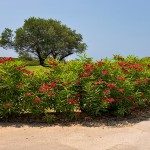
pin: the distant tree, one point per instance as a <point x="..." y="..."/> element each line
<point x="26" y="56"/>
<point x="43" y="38"/>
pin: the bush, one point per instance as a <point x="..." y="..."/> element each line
<point x="116" y="86"/>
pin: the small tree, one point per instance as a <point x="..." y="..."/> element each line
<point x="43" y="38"/>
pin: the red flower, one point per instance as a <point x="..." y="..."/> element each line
<point x="88" y="67"/>
<point x="42" y="90"/>
<point x="37" y="100"/>
<point x="69" y="83"/>
<point x="145" y="80"/>
<point x="79" y="95"/>
<point x="75" y="102"/>
<point x="100" y="63"/>
<point x="5" y="105"/>
<point x="98" y="82"/>
<point x="5" y="59"/>
<point x="8" y="59"/>
<point x="107" y="91"/>
<point x="110" y="100"/>
<point x="111" y="85"/>
<point x="32" y="73"/>
<point x="131" y="98"/>
<point x="53" y="85"/>
<point x="85" y="74"/>
<point x="26" y="71"/>
<point x="20" y="67"/>
<point x="2" y="61"/>
<point x="120" y="90"/>
<point x="77" y="81"/>
<point x="125" y="70"/>
<point x="52" y="93"/>
<point x="10" y="105"/>
<point x="47" y="87"/>
<point x="121" y="78"/>
<point x="105" y="72"/>
<point x="122" y="63"/>
<point x="72" y="101"/>
<point x="29" y="93"/>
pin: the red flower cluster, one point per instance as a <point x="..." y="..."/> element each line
<point x="111" y="85"/>
<point x="37" y="100"/>
<point x="122" y="64"/>
<point x="131" y="98"/>
<point x="7" y="105"/>
<point x="20" y="67"/>
<point x="29" y="93"/>
<point x="121" y="78"/>
<point x="106" y="91"/>
<point x="145" y="80"/>
<point x="135" y="66"/>
<point x="105" y="72"/>
<point x="47" y="87"/>
<point x="99" y="81"/>
<point x="3" y="60"/>
<point x="78" y="81"/>
<point x="89" y="67"/>
<point x="125" y="70"/>
<point x="120" y="90"/>
<point x="109" y="100"/>
<point x="28" y="72"/>
<point x="142" y="81"/>
<point x="53" y="84"/>
<point x="85" y="74"/>
<point x="126" y="66"/>
<point x="72" y="101"/>
<point x="100" y="63"/>
<point x="52" y="93"/>
<point x="66" y="84"/>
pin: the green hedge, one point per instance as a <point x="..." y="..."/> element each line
<point x="117" y="86"/>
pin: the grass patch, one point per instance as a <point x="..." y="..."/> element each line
<point x="37" y="69"/>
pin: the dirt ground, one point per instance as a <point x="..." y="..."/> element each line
<point x="18" y="136"/>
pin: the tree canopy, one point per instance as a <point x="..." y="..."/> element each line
<point x="42" y="38"/>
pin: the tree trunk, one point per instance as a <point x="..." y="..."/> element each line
<point x="41" y="61"/>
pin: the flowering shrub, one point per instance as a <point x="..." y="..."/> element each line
<point x="116" y="86"/>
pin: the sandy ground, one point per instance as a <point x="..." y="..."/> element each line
<point x="38" y="137"/>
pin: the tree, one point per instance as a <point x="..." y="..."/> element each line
<point x="43" y="38"/>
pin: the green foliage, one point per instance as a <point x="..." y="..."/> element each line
<point x="43" y="38"/>
<point x="117" y="86"/>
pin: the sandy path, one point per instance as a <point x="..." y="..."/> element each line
<point x="24" y="137"/>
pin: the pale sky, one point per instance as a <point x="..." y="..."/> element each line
<point x="108" y="26"/>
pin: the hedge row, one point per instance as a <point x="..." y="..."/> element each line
<point x="117" y="86"/>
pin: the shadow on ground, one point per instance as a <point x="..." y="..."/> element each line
<point x="83" y="120"/>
